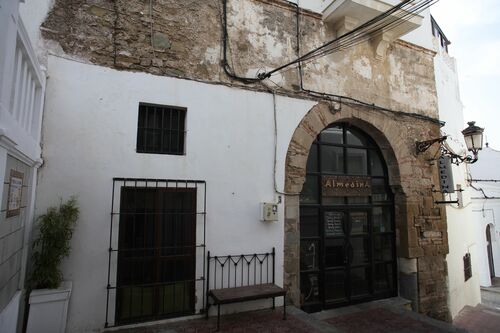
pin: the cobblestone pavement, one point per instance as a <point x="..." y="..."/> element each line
<point x="263" y="321"/>
<point x="372" y="317"/>
<point x="490" y="296"/>
<point x="480" y="319"/>
<point x="382" y="320"/>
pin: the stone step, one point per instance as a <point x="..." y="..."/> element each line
<point x="488" y="309"/>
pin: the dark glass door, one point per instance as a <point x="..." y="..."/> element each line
<point x="346" y="222"/>
<point x="489" y="249"/>
<point x="156" y="254"/>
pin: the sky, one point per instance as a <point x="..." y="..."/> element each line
<point x="473" y="27"/>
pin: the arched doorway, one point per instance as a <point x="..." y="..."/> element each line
<point x="489" y="249"/>
<point x="347" y="231"/>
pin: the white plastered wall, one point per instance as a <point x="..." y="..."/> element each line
<point x="487" y="210"/>
<point x="91" y="119"/>
<point x="487" y="213"/>
<point x="461" y="221"/>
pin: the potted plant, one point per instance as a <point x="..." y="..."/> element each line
<point x="48" y="294"/>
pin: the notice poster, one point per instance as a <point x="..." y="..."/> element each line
<point x="334" y="224"/>
<point x="359" y="222"/>
<point x="15" y="193"/>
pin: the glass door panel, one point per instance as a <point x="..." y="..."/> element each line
<point x="384" y="277"/>
<point x="335" y="285"/>
<point x="383" y="247"/>
<point x="309" y="255"/>
<point x="360" y="251"/>
<point x="360" y="281"/>
<point x="335" y="253"/>
<point x="309" y="288"/>
<point x="359" y="223"/>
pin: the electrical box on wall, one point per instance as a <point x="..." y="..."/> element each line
<point x="269" y="212"/>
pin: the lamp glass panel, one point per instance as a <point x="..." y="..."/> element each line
<point x="477" y="141"/>
<point x="468" y="142"/>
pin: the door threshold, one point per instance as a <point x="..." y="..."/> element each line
<point x="395" y="302"/>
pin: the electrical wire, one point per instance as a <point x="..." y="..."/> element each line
<point x="227" y="69"/>
<point x="349" y="100"/>
<point x="386" y="21"/>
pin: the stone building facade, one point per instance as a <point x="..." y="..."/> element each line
<point x="100" y="54"/>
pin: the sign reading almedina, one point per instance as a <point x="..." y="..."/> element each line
<point x="346" y="186"/>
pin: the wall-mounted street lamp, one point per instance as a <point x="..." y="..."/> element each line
<point x="473" y="136"/>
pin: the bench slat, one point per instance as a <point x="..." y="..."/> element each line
<point x="247" y="293"/>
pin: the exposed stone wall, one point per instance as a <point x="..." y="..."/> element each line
<point x="421" y="229"/>
<point x="184" y="39"/>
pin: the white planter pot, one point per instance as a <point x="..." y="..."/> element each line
<point x="49" y="309"/>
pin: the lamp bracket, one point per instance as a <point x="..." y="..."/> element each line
<point x="422" y="146"/>
<point x="457" y="159"/>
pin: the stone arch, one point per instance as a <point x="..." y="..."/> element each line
<point x="395" y="136"/>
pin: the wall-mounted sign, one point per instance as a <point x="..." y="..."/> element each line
<point x="346" y="186"/>
<point x="15" y="193"/>
<point x="445" y="175"/>
<point x="334" y="222"/>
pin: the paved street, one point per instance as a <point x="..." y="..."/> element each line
<point x="484" y="318"/>
<point x="490" y="296"/>
<point x="374" y="317"/>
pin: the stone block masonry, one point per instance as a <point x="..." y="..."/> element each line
<point x="184" y="39"/>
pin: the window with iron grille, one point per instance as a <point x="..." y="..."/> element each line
<point x="467" y="267"/>
<point x="161" y="129"/>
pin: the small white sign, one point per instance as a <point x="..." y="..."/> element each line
<point x="15" y="193"/>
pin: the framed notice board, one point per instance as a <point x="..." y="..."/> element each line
<point x="15" y="193"/>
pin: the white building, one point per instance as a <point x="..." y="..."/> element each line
<point x="486" y="206"/>
<point x="128" y="73"/>
<point x="22" y="91"/>
<point x="461" y="222"/>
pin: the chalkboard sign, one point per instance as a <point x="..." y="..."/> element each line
<point x="334" y="224"/>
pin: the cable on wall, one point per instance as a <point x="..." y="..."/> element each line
<point x="386" y="21"/>
<point x="376" y="27"/>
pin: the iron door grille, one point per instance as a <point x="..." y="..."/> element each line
<point x="156" y="266"/>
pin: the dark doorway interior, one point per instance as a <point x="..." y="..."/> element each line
<point x="347" y="242"/>
<point x="489" y="248"/>
<point x="156" y="254"/>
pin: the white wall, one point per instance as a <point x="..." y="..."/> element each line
<point x="487" y="213"/>
<point x="9" y="315"/>
<point x="461" y="221"/>
<point x="21" y="105"/>
<point x="91" y="119"/>
<point x="487" y="209"/>
<point x="33" y="13"/>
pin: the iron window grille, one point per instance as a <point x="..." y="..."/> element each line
<point x="161" y="129"/>
<point x="467" y="267"/>
<point x="156" y="254"/>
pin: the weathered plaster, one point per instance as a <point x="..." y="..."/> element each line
<point x="262" y="35"/>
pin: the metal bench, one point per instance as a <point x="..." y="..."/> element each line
<point x="241" y="278"/>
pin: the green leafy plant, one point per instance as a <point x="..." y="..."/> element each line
<point x="53" y="244"/>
